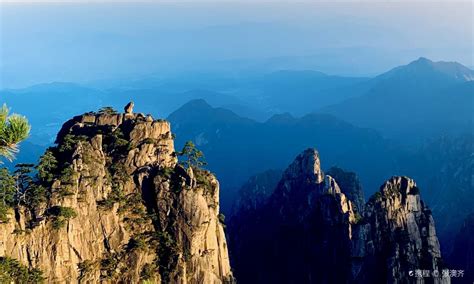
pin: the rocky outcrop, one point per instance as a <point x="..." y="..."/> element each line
<point x="120" y="208"/>
<point x="129" y="108"/>
<point x="302" y="232"/>
<point x="397" y="237"/>
<point x="310" y="231"/>
<point x="350" y="186"/>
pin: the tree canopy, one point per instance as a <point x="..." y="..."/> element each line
<point x="193" y="156"/>
<point x="14" y="128"/>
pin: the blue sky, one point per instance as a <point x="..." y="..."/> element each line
<point x="44" y="42"/>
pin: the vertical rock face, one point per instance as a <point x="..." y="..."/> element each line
<point x="397" y="235"/>
<point x="133" y="213"/>
<point x="302" y="232"/>
<point x="310" y="231"/>
<point x="350" y="186"/>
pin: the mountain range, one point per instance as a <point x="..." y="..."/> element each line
<point x="416" y="101"/>
<point x="113" y="201"/>
<point x="386" y="125"/>
<point x="420" y="100"/>
<point x="238" y="147"/>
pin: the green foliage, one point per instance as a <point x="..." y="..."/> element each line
<point x="132" y="203"/>
<point x="18" y="231"/>
<point x="148" y="271"/>
<point x="35" y="196"/>
<point x="107" y="110"/>
<point x="47" y="166"/>
<point x="119" y="173"/>
<point x="193" y="157"/>
<point x="67" y="143"/>
<point x="116" y="144"/>
<point x="60" y="211"/>
<point x="12" y="271"/>
<point x="70" y="142"/>
<point x="116" y="196"/>
<point x="117" y="147"/>
<point x="377" y="196"/>
<point x="109" y="265"/>
<point x="136" y="243"/>
<point x="203" y="180"/>
<point x="166" y="172"/>
<point x="117" y="177"/>
<point x="13" y="129"/>
<point x="221" y="218"/>
<point x="358" y="218"/>
<point x="167" y="254"/>
<point x="149" y="141"/>
<point x="24" y="176"/>
<point x="60" y="215"/>
<point x="84" y="268"/>
<point x="7" y="193"/>
<point x="67" y="175"/>
<point x="29" y="192"/>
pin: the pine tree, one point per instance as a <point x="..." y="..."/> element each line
<point x="194" y="157"/>
<point x="14" y="128"/>
<point x="7" y="193"/>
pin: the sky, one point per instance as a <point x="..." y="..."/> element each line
<point x="89" y="41"/>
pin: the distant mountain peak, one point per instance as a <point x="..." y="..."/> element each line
<point x="422" y="60"/>
<point x="285" y="117"/>
<point x="197" y="103"/>
<point x="424" y="66"/>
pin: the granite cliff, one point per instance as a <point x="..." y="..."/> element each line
<point x="111" y="203"/>
<point x="313" y="230"/>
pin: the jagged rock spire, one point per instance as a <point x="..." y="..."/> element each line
<point x="308" y="165"/>
<point x="129" y="108"/>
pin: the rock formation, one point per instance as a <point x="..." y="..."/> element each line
<point x="300" y="234"/>
<point x="118" y="207"/>
<point x="396" y="237"/>
<point x="350" y="186"/>
<point x="129" y="108"/>
<point x="310" y="231"/>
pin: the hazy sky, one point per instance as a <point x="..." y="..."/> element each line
<point x="85" y="42"/>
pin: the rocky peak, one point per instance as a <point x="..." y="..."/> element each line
<point x="129" y="108"/>
<point x="306" y="222"/>
<point x="306" y="166"/>
<point x="116" y="206"/>
<point x="310" y="232"/>
<point x="397" y="236"/>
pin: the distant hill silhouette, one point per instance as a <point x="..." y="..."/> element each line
<point x="415" y="101"/>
